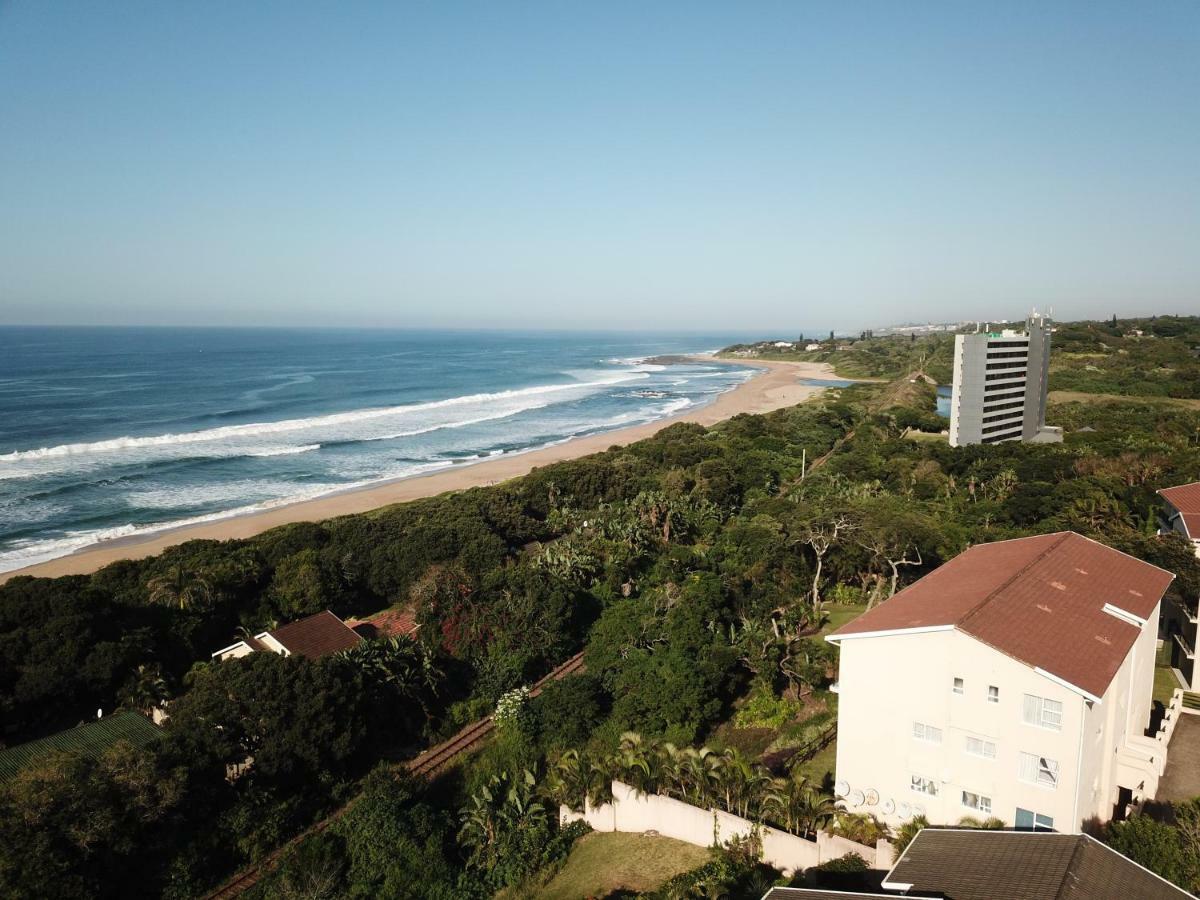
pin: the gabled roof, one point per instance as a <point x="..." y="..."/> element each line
<point x="316" y="636"/>
<point x="980" y="864"/>
<point x="1186" y="499"/>
<point x="1061" y="603"/>
<point x="88" y="740"/>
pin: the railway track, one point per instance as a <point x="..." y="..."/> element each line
<point x="426" y="765"/>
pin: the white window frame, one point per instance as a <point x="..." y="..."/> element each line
<point x="983" y="743"/>
<point x="926" y="734"/>
<point x="993" y="694"/>
<point x="982" y="804"/>
<point x="1038" y="770"/>
<point x="922" y="785"/>
<point x="1040" y="712"/>
<point x="958" y="686"/>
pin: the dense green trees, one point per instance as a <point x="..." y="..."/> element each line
<point x="690" y="567"/>
<point x="70" y="824"/>
<point x="1158" y="847"/>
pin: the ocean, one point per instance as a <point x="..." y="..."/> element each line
<point x="115" y="432"/>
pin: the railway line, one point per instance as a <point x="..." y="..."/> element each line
<point x="426" y="765"/>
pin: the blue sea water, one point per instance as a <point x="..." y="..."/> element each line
<point x="114" y="432"/>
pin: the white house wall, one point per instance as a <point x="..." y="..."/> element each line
<point x="888" y="683"/>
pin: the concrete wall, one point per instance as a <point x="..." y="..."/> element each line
<point x="633" y="812"/>
<point x="887" y="683"/>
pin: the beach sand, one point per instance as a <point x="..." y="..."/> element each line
<point x="776" y="387"/>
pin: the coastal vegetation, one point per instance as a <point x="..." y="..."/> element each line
<point x="1153" y="356"/>
<point x="696" y="569"/>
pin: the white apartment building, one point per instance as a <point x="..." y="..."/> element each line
<point x="1000" y="382"/>
<point x="1015" y="681"/>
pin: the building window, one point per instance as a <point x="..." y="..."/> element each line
<point x="1031" y="821"/>
<point x="993" y="694"/>
<point x="977" y="802"/>
<point x="1038" y="770"/>
<point x="979" y="747"/>
<point x="958" y="685"/>
<point x="928" y="733"/>
<point x="924" y="785"/>
<point x="1042" y="712"/>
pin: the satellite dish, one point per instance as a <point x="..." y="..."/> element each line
<point x="889" y="806"/>
<point x="856" y="798"/>
<point x="872" y="797"/>
<point x="841" y="789"/>
<point x="905" y="810"/>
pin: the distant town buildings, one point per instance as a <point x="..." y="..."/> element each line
<point x="1000" y="382"/>
<point x="1013" y="682"/>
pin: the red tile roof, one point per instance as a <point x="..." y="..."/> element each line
<point x="1039" y="600"/>
<point x="316" y="636"/>
<point x="1186" y="499"/>
<point x="389" y="623"/>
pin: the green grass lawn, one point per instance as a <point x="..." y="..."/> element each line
<point x="841" y="613"/>
<point x="820" y="766"/>
<point x="1165" y="684"/>
<point x="602" y="863"/>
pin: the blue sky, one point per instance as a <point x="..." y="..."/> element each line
<point x="702" y="165"/>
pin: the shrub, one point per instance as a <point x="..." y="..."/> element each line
<point x="1154" y="845"/>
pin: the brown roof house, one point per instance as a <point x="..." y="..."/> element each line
<point x="1014" y="682"/>
<point x="980" y="864"/>
<point x="314" y="637"/>
<point x="1181" y="515"/>
<point x="1182" y="511"/>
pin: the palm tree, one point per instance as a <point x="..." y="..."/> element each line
<point x="635" y="762"/>
<point x="145" y="690"/>
<point x="908" y="831"/>
<point x="738" y="782"/>
<point x="673" y="771"/>
<point x="496" y="811"/>
<point x="180" y="587"/>
<point x="401" y="666"/>
<point x="568" y="783"/>
<point x="801" y="807"/>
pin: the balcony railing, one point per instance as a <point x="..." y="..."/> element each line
<point x="1187" y="648"/>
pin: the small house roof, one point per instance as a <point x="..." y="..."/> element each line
<point x="982" y="864"/>
<point x="316" y="636"/>
<point x="1186" y="500"/>
<point x="90" y="740"/>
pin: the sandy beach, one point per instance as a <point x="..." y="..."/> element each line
<point x="776" y="387"/>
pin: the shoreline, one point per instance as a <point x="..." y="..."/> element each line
<point x="776" y="387"/>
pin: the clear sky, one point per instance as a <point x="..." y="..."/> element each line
<point x="702" y="165"/>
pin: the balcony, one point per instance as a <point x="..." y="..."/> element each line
<point x="1184" y="645"/>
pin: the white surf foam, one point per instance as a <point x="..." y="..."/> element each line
<point x="29" y="553"/>
<point x="283" y="451"/>
<point x="362" y="424"/>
